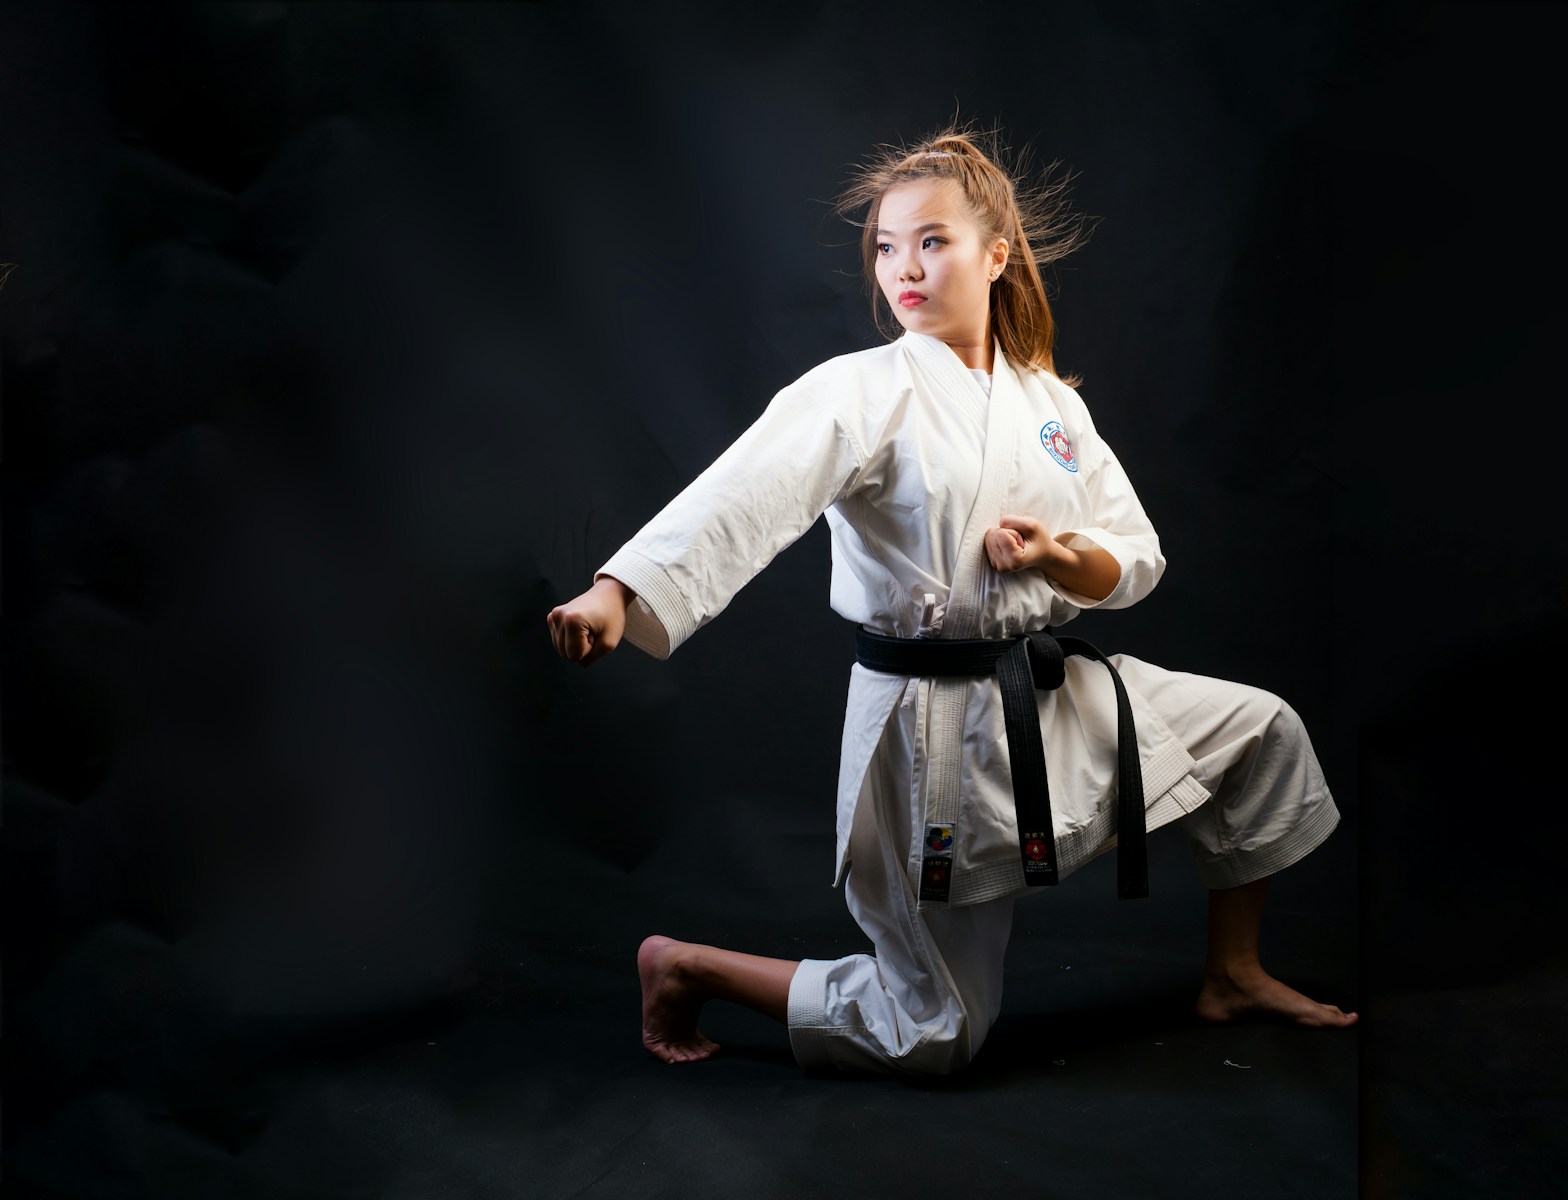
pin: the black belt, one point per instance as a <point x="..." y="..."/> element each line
<point x="1022" y="664"/>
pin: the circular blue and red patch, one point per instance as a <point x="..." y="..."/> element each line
<point x="1054" y="438"/>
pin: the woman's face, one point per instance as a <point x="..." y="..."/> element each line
<point x="933" y="267"/>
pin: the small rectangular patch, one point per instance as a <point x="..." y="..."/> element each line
<point x="939" y="839"/>
<point x="1038" y="849"/>
<point x="936" y="876"/>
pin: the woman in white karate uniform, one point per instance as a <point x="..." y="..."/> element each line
<point x="969" y="497"/>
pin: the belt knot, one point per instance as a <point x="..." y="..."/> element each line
<point x="1047" y="662"/>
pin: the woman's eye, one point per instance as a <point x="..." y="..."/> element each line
<point x="884" y="248"/>
<point x="930" y="243"/>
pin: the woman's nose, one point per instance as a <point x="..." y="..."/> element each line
<point x="908" y="268"/>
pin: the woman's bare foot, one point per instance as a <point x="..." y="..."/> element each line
<point x="671" y="1000"/>
<point x="1258" y="994"/>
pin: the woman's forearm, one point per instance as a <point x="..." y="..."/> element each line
<point x="1089" y="571"/>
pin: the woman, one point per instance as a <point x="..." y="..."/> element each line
<point x="970" y="500"/>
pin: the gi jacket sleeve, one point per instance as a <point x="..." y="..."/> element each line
<point x="1119" y="526"/>
<point x="761" y="494"/>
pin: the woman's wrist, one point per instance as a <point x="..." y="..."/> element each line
<point x="612" y="588"/>
<point x="1053" y="557"/>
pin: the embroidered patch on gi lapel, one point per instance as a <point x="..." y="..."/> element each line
<point x="936" y="874"/>
<point x="936" y="865"/>
<point x="1054" y="438"/>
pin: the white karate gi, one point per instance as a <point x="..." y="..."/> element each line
<point x="911" y="462"/>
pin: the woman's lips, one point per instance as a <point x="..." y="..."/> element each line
<point x="911" y="299"/>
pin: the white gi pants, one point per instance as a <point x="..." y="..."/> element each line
<point x="924" y="1002"/>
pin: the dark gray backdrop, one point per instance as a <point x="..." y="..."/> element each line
<point x="343" y="341"/>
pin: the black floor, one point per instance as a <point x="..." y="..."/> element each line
<point x="527" y="1079"/>
<point x="133" y="1073"/>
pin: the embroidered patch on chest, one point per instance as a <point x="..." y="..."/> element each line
<point x="1054" y="438"/>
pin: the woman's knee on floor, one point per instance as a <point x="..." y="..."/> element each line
<point x="948" y="1046"/>
<point x="942" y="1045"/>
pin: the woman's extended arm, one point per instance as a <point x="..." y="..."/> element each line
<point x="1021" y="542"/>
<point x="687" y="563"/>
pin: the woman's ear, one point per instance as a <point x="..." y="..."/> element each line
<point x="998" y="257"/>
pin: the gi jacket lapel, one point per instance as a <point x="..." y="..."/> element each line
<point x="962" y="620"/>
<point x="953" y="378"/>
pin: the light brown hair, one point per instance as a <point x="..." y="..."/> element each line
<point x="1032" y="216"/>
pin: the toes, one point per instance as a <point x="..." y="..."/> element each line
<point x="687" y="1052"/>
<point x="1328" y="1016"/>
<point x="681" y="1052"/>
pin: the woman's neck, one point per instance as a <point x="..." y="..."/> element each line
<point x="977" y="356"/>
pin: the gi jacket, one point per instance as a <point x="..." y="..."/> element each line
<point x="912" y="462"/>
